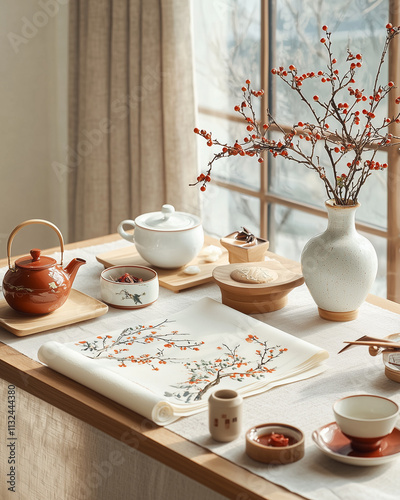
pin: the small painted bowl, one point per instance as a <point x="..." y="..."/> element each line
<point x="260" y="446"/>
<point x="124" y="295"/>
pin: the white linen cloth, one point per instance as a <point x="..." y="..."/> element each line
<point x="306" y="404"/>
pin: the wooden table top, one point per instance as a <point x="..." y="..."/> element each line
<point x="134" y="430"/>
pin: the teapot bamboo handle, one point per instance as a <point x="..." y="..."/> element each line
<point x="34" y="221"/>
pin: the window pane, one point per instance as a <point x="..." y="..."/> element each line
<point x="227" y="50"/>
<point x="359" y="26"/>
<point x="226" y="211"/>
<point x="291" y="229"/>
<point x="298" y="183"/>
<point x="373" y="197"/>
<point x="380" y="245"/>
<point x="243" y="171"/>
<point x="294" y="181"/>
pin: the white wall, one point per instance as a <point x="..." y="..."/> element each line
<point x="33" y="120"/>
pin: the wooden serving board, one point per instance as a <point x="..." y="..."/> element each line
<point x="173" y="279"/>
<point x="78" y="307"/>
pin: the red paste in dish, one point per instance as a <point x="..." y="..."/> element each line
<point x="275" y="440"/>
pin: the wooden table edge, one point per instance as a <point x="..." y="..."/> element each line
<point x="165" y="446"/>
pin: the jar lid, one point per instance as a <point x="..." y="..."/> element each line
<point x="167" y="220"/>
<point x="35" y="261"/>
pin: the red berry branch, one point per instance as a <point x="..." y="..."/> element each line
<point x="345" y="124"/>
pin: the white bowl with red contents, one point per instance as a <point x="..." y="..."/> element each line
<point x="129" y="287"/>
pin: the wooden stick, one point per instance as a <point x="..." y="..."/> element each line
<point x="393" y="345"/>
<point x="366" y="337"/>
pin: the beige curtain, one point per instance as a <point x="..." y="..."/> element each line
<point x="131" y="112"/>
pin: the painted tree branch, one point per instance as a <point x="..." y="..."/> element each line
<point x="106" y="347"/>
<point x="207" y="374"/>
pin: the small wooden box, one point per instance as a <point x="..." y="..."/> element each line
<point x="241" y="251"/>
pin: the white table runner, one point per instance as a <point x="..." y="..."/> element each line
<point x="305" y="404"/>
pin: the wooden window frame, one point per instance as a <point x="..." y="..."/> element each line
<point x="266" y="198"/>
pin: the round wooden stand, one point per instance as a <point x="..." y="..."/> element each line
<point x="259" y="297"/>
<point x="338" y="316"/>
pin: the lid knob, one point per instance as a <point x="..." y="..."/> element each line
<point x="35" y="253"/>
<point x="167" y="211"/>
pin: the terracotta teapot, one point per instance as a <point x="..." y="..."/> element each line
<point x="37" y="284"/>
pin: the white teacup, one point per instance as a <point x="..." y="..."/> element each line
<point x="365" y="419"/>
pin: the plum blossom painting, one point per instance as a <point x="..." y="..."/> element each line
<point x="174" y="363"/>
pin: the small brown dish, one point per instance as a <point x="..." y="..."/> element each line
<point x="274" y="443"/>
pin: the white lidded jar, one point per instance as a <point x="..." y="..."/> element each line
<point x="225" y="414"/>
<point x="340" y="265"/>
<point x="166" y="239"/>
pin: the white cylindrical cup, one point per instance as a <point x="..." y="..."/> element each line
<point x="225" y="415"/>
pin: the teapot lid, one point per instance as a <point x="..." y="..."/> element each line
<point x="35" y="261"/>
<point x="167" y="220"/>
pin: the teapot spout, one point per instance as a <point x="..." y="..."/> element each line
<point x="72" y="268"/>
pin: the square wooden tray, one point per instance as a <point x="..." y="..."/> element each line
<point x="173" y="279"/>
<point x="78" y="307"/>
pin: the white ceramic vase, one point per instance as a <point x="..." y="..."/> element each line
<point x="339" y="265"/>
